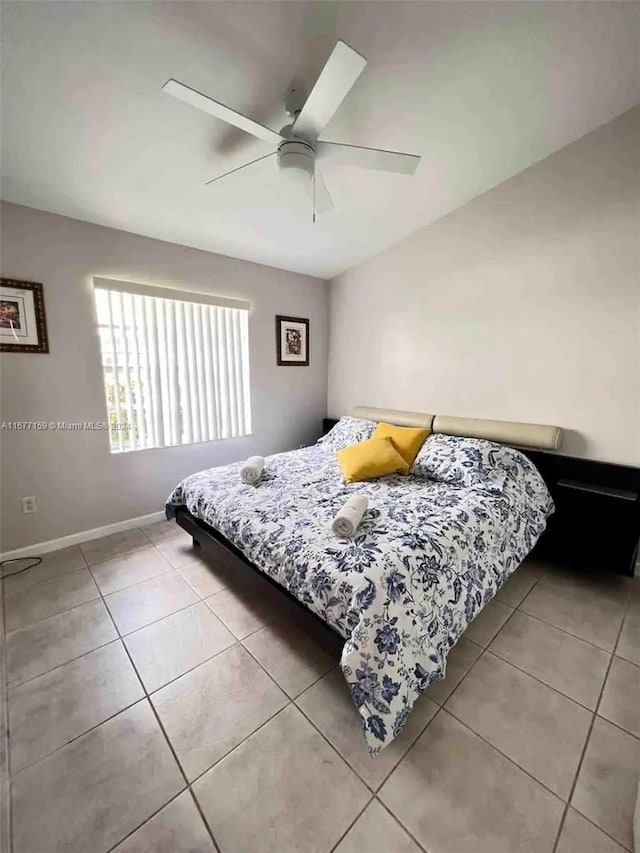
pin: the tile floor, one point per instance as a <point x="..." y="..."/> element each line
<point x="161" y="702"/>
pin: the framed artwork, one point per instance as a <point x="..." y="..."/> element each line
<point x="292" y="341"/>
<point x="23" y="327"/>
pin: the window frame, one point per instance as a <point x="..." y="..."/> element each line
<point x="181" y="377"/>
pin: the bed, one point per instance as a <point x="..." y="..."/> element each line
<point x="432" y="550"/>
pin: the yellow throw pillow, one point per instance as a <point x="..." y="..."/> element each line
<point x="372" y="458"/>
<point x="406" y="440"/>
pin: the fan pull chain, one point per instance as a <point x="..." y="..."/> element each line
<point x="314" y="196"/>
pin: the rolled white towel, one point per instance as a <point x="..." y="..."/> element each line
<point x="349" y="516"/>
<point x="251" y="470"/>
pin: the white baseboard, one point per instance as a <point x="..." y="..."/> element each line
<point x="76" y="538"/>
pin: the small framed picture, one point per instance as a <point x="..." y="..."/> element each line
<point x="292" y="340"/>
<point x="23" y="326"/>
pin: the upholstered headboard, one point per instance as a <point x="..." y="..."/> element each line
<point x="539" y="436"/>
<point x="394" y="416"/>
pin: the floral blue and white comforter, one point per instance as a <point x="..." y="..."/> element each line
<point x="428" y="556"/>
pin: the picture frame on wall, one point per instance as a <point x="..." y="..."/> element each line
<point x="23" y="325"/>
<point x="292" y="341"/>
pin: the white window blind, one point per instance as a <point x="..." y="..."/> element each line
<point x="175" y="364"/>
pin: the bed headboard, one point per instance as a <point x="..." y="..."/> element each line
<point x="539" y="436"/>
<point x="394" y="416"/>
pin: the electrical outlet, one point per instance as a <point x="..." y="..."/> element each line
<point x="29" y="505"/>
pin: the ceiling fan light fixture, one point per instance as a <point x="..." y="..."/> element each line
<point x="298" y="143"/>
<point x="297" y="158"/>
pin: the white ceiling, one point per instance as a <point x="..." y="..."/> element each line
<point x="479" y="90"/>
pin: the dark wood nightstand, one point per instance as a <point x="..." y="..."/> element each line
<point x="597" y="519"/>
<point x="327" y="424"/>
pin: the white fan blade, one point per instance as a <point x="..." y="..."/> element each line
<point x="323" y="202"/>
<point x="367" y="158"/>
<point x="340" y="72"/>
<point x="208" y="105"/>
<point x="254" y="170"/>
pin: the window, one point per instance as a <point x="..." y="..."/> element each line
<point x="175" y="364"/>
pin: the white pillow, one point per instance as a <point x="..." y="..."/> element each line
<point x="475" y="462"/>
<point x="462" y="461"/>
<point x="347" y="431"/>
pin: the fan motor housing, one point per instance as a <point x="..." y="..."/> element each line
<point x="297" y="155"/>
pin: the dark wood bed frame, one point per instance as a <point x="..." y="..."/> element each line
<point x="596" y="523"/>
<point x="220" y="549"/>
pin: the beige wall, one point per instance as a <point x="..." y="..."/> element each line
<point x="78" y="484"/>
<point x="521" y="305"/>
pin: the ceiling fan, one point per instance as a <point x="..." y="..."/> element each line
<point x="298" y="143"/>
